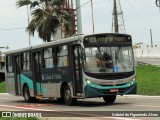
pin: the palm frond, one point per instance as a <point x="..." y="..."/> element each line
<point x="21" y="3"/>
<point x="47" y="17"/>
<point x="34" y="4"/>
<point x="57" y="3"/>
<point x="32" y="26"/>
<point x="65" y="18"/>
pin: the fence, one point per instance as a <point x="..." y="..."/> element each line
<point x="147" y="52"/>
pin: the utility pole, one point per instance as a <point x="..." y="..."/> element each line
<point x="115" y="17"/>
<point x="29" y="37"/>
<point x="151" y="38"/>
<point x="92" y="16"/>
<point x="118" y="21"/>
<point x="79" y="20"/>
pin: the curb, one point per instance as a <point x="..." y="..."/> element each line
<point x="144" y="96"/>
<point x="141" y="96"/>
<point x="5" y="94"/>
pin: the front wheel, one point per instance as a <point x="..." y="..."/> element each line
<point x="109" y="98"/>
<point x="68" y="97"/>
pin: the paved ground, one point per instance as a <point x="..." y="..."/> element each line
<point x="92" y="108"/>
<point x="152" y="61"/>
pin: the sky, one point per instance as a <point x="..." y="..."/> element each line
<point x="139" y="17"/>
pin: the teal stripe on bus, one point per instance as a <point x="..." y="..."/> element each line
<point x="29" y="82"/>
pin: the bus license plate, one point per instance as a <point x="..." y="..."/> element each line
<point x="114" y="90"/>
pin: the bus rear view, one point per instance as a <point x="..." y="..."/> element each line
<point x="108" y="66"/>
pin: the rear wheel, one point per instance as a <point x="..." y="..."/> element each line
<point x="27" y="96"/>
<point x="68" y="97"/>
<point x="109" y="98"/>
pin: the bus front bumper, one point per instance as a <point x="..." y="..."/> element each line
<point x="98" y="92"/>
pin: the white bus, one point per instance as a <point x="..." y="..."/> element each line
<point x="84" y="66"/>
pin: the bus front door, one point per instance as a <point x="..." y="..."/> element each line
<point x="36" y="57"/>
<point x="77" y="70"/>
<point x="17" y="72"/>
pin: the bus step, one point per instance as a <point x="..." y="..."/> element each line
<point x="80" y="94"/>
<point x="38" y="97"/>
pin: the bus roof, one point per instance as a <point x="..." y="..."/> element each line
<point x="56" y="42"/>
<point x="60" y="41"/>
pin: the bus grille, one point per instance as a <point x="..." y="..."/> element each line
<point x="113" y="76"/>
<point x="113" y="85"/>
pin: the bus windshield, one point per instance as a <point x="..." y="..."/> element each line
<point x="109" y="59"/>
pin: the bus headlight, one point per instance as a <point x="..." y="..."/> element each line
<point x="133" y="81"/>
<point x="88" y="82"/>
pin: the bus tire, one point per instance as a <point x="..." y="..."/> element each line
<point x="68" y="97"/>
<point x="109" y="98"/>
<point x="27" y="96"/>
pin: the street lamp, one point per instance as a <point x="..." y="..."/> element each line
<point x="158" y="4"/>
<point x="4" y="47"/>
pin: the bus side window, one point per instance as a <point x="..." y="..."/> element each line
<point x="26" y="61"/>
<point x="48" y="58"/>
<point x="62" y="56"/>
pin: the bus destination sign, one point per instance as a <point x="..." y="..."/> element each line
<point x="107" y="39"/>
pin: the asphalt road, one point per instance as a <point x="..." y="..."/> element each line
<point x="124" y="108"/>
<point x="152" y="61"/>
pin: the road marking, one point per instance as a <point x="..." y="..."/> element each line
<point x="139" y="97"/>
<point x="146" y="106"/>
<point x="34" y="105"/>
<point x="89" y="115"/>
<point x="18" y="107"/>
<point x="122" y="118"/>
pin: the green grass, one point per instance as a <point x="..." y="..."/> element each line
<point x="2" y="87"/>
<point x="148" y="80"/>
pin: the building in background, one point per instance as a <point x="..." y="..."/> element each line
<point x="2" y="67"/>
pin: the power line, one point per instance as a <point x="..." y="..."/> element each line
<point x="83" y="4"/>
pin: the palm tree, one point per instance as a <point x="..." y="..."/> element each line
<point x="47" y="17"/>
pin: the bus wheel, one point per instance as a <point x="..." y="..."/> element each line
<point x="67" y="96"/>
<point x="109" y="98"/>
<point x="27" y="96"/>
